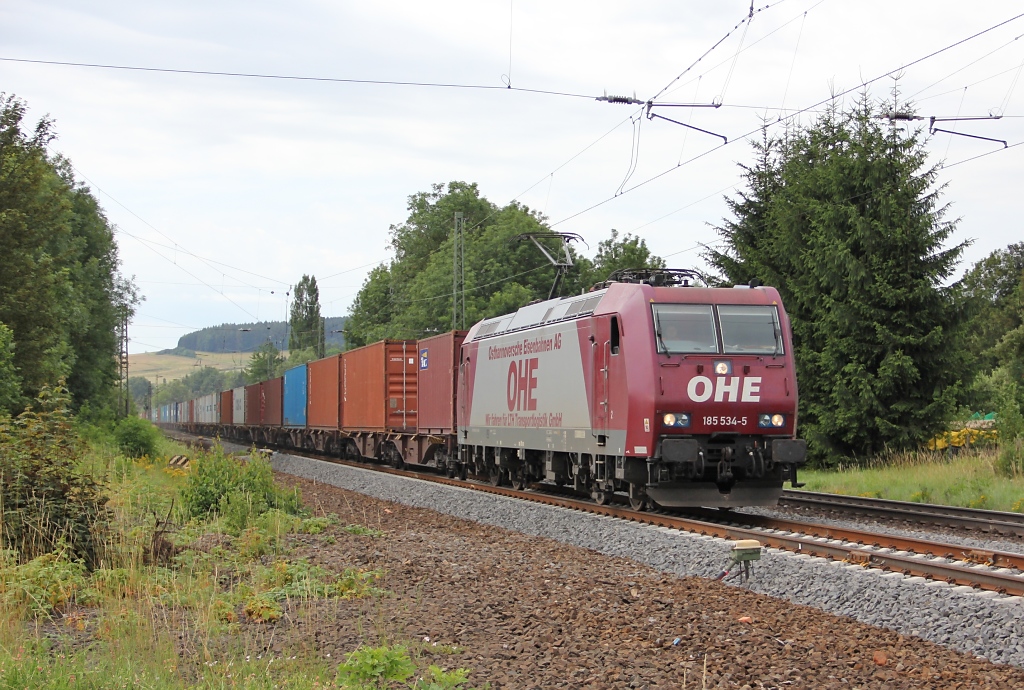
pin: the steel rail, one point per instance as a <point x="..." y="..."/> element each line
<point x="911" y="564"/>
<point x="989" y="570"/>
<point x="926" y="513"/>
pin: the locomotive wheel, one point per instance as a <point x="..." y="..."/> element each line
<point x="494" y="476"/>
<point x="601" y="497"/>
<point x="518" y="479"/>
<point x="638" y="500"/>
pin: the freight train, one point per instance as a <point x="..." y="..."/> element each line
<point x="649" y="386"/>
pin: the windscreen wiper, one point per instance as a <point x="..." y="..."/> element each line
<point x="657" y="331"/>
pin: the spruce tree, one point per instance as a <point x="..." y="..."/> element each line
<point x="845" y="220"/>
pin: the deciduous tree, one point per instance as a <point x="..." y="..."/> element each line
<point x="307" y="326"/>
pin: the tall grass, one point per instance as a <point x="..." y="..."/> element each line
<point x="970" y="478"/>
<point x="202" y="616"/>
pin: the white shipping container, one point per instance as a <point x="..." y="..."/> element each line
<point x="209" y="407"/>
<point x="238" y="402"/>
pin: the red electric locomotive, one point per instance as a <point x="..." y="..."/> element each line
<point x="676" y="394"/>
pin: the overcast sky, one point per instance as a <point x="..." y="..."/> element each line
<point x="275" y="178"/>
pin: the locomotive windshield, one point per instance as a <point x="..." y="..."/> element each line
<point x="685" y="328"/>
<point x="750" y="329"/>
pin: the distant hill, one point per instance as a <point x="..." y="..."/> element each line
<point x="246" y="337"/>
<point x="170" y="365"/>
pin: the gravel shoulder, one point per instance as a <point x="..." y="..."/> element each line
<point x="530" y="596"/>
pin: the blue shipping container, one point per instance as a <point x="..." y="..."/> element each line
<point x="295" y="397"/>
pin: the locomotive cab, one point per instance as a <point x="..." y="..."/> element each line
<point x="726" y="403"/>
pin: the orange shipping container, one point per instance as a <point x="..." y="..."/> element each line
<point x="437" y="370"/>
<point x="226" y="408"/>
<point x="379" y="387"/>
<point x="253" y="405"/>
<point x="271" y="391"/>
<point x="323" y="393"/>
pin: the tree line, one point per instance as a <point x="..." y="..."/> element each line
<point x="247" y="337"/>
<point x="61" y="295"/>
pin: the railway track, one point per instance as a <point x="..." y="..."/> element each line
<point x="991" y="521"/>
<point x="956" y="565"/>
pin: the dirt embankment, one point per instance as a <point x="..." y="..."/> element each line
<point x="525" y="612"/>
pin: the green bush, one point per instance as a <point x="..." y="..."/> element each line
<point x="373" y="668"/>
<point x="136" y="437"/>
<point x="46" y="583"/>
<point x="50" y="501"/>
<point x="219" y="483"/>
<point x="368" y="668"/>
<point x="1011" y="458"/>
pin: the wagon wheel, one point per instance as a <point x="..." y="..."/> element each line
<point x="463" y="472"/>
<point x="600" y="496"/>
<point x="396" y="459"/>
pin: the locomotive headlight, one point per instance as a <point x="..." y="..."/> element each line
<point x="723" y="368"/>
<point x="768" y="421"/>
<point x="669" y="419"/>
<point x="681" y="419"/>
<point x="778" y="420"/>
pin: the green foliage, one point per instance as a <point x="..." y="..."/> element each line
<point x="47" y="583"/>
<point x="441" y="679"/>
<point x="299" y="579"/>
<point x="266" y="363"/>
<point x="995" y="290"/>
<point x="201" y="382"/>
<point x="375" y="668"/>
<point x="412" y="296"/>
<point x="306" y="325"/>
<point x="60" y="294"/>
<point x="10" y="382"/>
<point x="136" y="437"/>
<point x="221" y="482"/>
<point x="361" y="531"/>
<point x="48" y="500"/>
<point x="614" y="254"/>
<point x="318" y="525"/>
<point x="843" y="218"/>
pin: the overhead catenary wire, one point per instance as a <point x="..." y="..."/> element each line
<point x="792" y="64"/>
<point x="182" y="268"/>
<point x="961" y="69"/>
<point x="295" y="77"/>
<point x="712" y="48"/>
<point x="792" y="115"/>
<point x="748" y="47"/>
<point x="177" y="247"/>
<point x="475" y="287"/>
